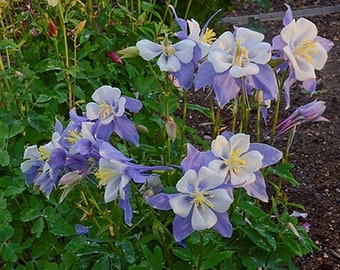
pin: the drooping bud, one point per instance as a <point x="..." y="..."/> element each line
<point x="114" y="57"/>
<point x="53" y="30"/>
<point x="171" y="128"/>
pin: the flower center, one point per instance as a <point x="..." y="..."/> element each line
<point x="105" y="110"/>
<point x="73" y="136"/>
<point x="305" y="49"/>
<point x="240" y="54"/>
<point x="209" y="36"/>
<point x="44" y="153"/>
<point x="167" y="48"/>
<point x="105" y="175"/>
<point x="235" y="162"/>
<point x="201" y="199"/>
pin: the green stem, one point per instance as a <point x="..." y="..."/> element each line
<point x="245" y="110"/>
<point x="187" y="9"/>
<point x="277" y="107"/>
<point x="258" y="117"/>
<point x="215" y="117"/>
<point x="200" y="251"/>
<point x="184" y="117"/>
<point x="67" y="61"/>
<point x="234" y="112"/>
<point x="289" y="144"/>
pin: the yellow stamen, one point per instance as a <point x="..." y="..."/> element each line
<point x="105" y="110"/>
<point x="209" y="36"/>
<point x="105" y="175"/>
<point x="73" y="136"/>
<point x="200" y="199"/>
<point x="44" y="153"/>
<point x="167" y="48"/>
<point x="240" y="54"/>
<point x="306" y="49"/>
<point x="235" y="162"/>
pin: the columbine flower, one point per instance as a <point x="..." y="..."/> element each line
<point x="203" y="37"/>
<point x="201" y="203"/>
<point x="303" y="49"/>
<point x="310" y="112"/>
<point x="172" y="56"/>
<point x="241" y="53"/>
<point x="240" y="161"/>
<point x="234" y="159"/>
<point x="109" y="109"/>
<point x="235" y="56"/>
<point x="115" y="172"/>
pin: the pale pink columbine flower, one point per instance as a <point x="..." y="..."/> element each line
<point x="310" y="112"/>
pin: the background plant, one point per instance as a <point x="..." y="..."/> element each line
<point x="53" y="58"/>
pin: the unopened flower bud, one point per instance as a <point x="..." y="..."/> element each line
<point x="171" y="128"/>
<point x="53" y="29"/>
<point x="129" y="52"/>
<point x="114" y="57"/>
<point x="142" y="129"/>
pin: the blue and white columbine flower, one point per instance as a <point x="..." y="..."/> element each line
<point x="171" y="56"/>
<point x="115" y="171"/>
<point x="240" y="53"/>
<point x="109" y="111"/>
<point x="304" y="51"/>
<point x="240" y="161"/>
<point x="235" y="159"/>
<point x="234" y="56"/>
<point x="201" y="197"/>
<point x="200" y="204"/>
<point x="190" y="29"/>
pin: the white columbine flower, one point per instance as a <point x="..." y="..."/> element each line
<point x="171" y="55"/>
<point x="303" y="49"/>
<point x="111" y="173"/>
<point x="201" y="195"/>
<point x="235" y="159"/>
<point x="240" y="52"/>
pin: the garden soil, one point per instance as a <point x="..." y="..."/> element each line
<point x="316" y="148"/>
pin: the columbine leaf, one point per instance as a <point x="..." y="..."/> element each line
<point x="216" y="258"/>
<point x="283" y="171"/>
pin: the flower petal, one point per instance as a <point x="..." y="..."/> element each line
<point x="182" y="227"/>
<point x="111" y="190"/>
<point x="240" y="142"/>
<point x="184" y="50"/>
<point x="208" y="179"/>
<point x="148" y="49"/>
<point x="220" y="199"/>
<point x="181" y="204"/>
<point x="220" y="147"/>
<point x="203" y="218"/>
<point x="223" y="225"/>
<point x="243" y="176"/>
<point x="169" y="63"/>
<point x="253" y="160"/>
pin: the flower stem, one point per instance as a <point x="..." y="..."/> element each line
<point x="67" y="60"/>
<point x="215" y="117"/>
<point x="200" y="251"/>
<point x="277" y="107"/>
<point x="184" y="118"/>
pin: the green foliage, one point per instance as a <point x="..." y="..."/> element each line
<point x="42" y="77"/>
